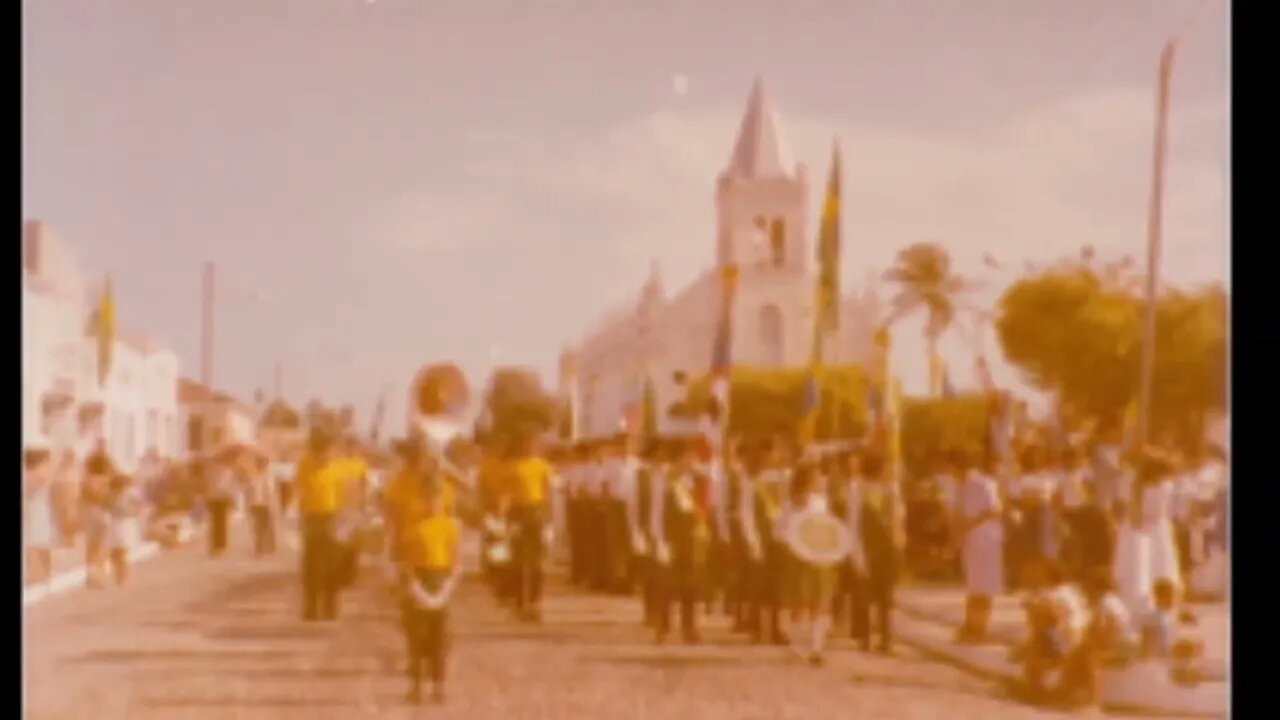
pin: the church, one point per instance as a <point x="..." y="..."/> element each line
<point x="762" y="205"/>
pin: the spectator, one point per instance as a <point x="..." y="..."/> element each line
<point x="123" y="508"/>
<point x="38" y="520"/>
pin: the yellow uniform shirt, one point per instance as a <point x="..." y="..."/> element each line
<point x="532" y="475"/>
<point x="433" y="542"/>
<point x="319" y="486"/>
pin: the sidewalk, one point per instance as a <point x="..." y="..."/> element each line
<point x="930" y="615"/>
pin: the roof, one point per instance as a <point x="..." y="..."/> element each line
<point x="191" y="392"/>
<point x="758" y="151"/>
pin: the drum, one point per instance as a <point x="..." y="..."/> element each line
<point x="817" y="537"/>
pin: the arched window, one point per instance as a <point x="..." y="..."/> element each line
<point x="772" y="343"/>
<point x="778" y="242"/>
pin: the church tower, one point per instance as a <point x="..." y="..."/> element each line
<point x="761" y="199"/>
<point x="761" y="205"/>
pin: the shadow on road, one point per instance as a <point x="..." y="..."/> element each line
<point x="242" y="702"/>
<point x="107" y="657"/>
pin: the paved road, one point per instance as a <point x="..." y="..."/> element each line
<point x="195" y="637"/>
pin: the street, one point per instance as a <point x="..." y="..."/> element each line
<point x="195" y="637"/>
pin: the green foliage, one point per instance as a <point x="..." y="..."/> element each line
<point x="925" y="279"/>
<point x="932" y="425"/>
<point x="765" y="402"/>
<point x="519" y="408"/>
<point x="1077" y="332"/>
<point x="279" y="414"/>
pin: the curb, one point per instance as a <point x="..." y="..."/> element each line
<point x="934" y="640"/>
<point x="75" y="577"/>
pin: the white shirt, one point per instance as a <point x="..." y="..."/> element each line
<point x="1072" y="488"/>
<point x="593" y="478"/>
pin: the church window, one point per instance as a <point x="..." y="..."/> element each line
<point x="778" y="242"/>
<point x="772" y="344"/>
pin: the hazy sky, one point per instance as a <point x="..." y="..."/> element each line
<point x="386" y="183"/>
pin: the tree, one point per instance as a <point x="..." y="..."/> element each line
<point x="925" y="280"/>
<point x="441" y="389"/>
<point x="764" y="403"/>
<point x="279" y="414"/>
<point x="518" y="407"/>
<point x="1078" y="332"/>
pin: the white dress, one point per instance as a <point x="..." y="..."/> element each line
<point x="38" y="523"/>
<point x="1157" y="524"/>
<point x="1131" y="567"/>
<point x="983" y="552"/>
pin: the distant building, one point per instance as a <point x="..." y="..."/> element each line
<point x="63" y="401"/>
<point x="213" y="420"/>
<point x="762" y="202"/>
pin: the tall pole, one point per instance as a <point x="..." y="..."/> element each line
<point x="206" y="353"/>
<point x="1154" y="219"/>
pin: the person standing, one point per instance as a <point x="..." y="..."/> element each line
<point x="761" y="504"/>
<point x="432" y="575"/>
<point x="646" y="489"/>
<point x="530" y="520"/>
<point x="224" y="483"/>
<point x="124" y="506"/>
<point x="38" y="522"/>
<point x="981" y="532"/>
<point x="96" y="514"/>
<point x="810" y="586"/>
<point x="879" y="513"/>
<point x="681" y="528"/>
<point x="262" y="496"/>
<point x="1156" y="522"/>
<point x="318" y="484"/>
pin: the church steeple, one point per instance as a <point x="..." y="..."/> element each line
<point x="759" y="151"/>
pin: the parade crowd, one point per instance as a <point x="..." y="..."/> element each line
<point x="1103" y="544"/>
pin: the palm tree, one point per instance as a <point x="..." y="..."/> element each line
<point x="925" y="279"/>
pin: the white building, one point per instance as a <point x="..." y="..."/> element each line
<point x="762" y="203"/>
<point x="133" y="411"/>
<point x="213" y="420"/>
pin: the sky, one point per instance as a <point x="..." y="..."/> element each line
<point x="385" y="184"/>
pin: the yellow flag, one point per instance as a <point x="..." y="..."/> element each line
<point x="894" y="411"/>
<point x="103" y="328"/>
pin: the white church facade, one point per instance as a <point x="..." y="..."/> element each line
<point x="762" y="204"/>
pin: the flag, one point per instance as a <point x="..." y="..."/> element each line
<point x="827" y="317"/>
<point x="811" y="402"/>
<point x="378" y="411"/>
<point x="102" y="326"/>
<point x="648" y="410"/>
<point x="722" y="346"/>
<point x="893" y="413"/>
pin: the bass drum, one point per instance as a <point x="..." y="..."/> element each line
<point x="819" y="538"/>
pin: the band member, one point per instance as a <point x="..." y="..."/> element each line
<point x="530" y="520"/>
<point x="573" y="476"/>
<point x="842" y="472"/>
<point x="681" y="527"/>
<point x="649" y="474"/>
<point x="318" y="484"/>
<point x="432" y="575"/>
<point x="624" y="488"/>
<point x="877" y="509"/>
<point x="761" y="504"/>
<point x="727" y="481"/>
<point x="615" y="542"/>
<point x="809" y="585"/>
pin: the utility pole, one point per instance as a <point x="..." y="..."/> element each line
<point x="206" y="356"/>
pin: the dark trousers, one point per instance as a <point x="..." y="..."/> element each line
<point x="264" y="532"/>
<point x="319" y="565"/>
<point x="877" y="599"/>
<point x="765" y="583"/>
<point x="286" y="495"/>
<point x="526" y="520"/>
<point x="219" y="512"/>
<point x="678" y="585"/>
<point x="618" y="547"/>
<point x="426" y="633"/>
<point x="851" y="602"/>
<point x="577" y="567"/>
<point x="647" y="578"/>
